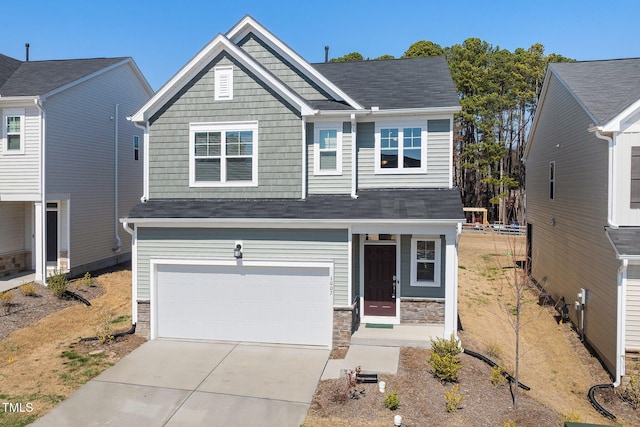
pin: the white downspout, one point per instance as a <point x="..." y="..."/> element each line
<point x="620" y="326"/>
<point x="304" y="158"/>
<point x="610" y="195"/>
<point x="134" y="270"/>
<point x="41" y="252"/>
<point x="354" y="154"/>
<point x="117" y="228"/>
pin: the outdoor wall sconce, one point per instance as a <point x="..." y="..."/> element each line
<point x="237" y="252"/>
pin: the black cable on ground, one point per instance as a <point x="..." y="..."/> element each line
<point x="595" y="404"/>
<point x="76" y="296"/>
<point x="493" y="364"/>
<point x="131" y="331"/>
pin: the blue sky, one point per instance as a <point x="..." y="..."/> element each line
<point x="163" y="35"/>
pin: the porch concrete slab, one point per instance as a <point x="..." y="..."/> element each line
<point x="15" y="280"/>
<point x="283" y="373"/>
<point x="168" y="363"/>
<point x="403" y="335"/>
<point x="211" y="409"/>
<point x="115" y="404"/>
<point x="373" y="359"/>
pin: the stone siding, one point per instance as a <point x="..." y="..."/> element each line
<point x="345" y="321"/>
<point x="143" y="327"/>
<point x="14" y="262"/>
<point x="421" y="310"/>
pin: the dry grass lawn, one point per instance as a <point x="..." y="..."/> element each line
<point x="33" y="368"/>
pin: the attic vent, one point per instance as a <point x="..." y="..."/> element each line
<point x="223" y="83"/>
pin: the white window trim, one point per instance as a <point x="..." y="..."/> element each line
<point x="437" y="262"/>
<point x="223" y="73"/>
<point x="13" y="112"/>
<point x="316" y="148"/>
<point x="136" y="148"/>
<point x="223" y="127"/>
<point x="400" y="125"/>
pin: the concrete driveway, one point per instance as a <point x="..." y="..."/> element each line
<point x="184" y="383"/>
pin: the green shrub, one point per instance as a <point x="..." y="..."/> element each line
<point x="444" y="361"/>
<point x="391" y="401"/>
<point x="29" y="289"/>
<point x="453" y="398"/>
<point x="497" y="376"/>
<point x="58" y="283"/>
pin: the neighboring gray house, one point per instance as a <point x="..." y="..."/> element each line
<point x="62" y="189"/>
<point x="583" y="200"/>
<point x="286" y="202"/>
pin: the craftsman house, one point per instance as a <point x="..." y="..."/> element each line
<point x="287" y="202"/>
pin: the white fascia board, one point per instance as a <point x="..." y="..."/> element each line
<point x="416" y="111"/>
<point x="249" y="25"/>
<point x="219" y="44"/>
<point x="89" y="77"/>
<point x="615" y="124"/>
<point x="28" y="100"/>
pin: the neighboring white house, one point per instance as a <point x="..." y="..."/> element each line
<point x="286" y="202"/>
<point x="583" y="201"/>
<point x="70" y="162"/>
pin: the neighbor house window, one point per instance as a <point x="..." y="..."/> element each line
<point x="223" y="85"/>
<point x="635" y="178"/>
<point x="425" y="261"/>
<point x="13" y="131"/>
<point x="552" y="180"/>
<point x="400" y="149"/>
<point x="136" y="147"/>
<point x="224" y="154"/>
<point x="327" y="150"/>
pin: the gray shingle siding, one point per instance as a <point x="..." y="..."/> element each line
<point x="279" y="145"/>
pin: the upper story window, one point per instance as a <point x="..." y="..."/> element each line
<point x="425" y="261"/>
<point x="635" y="178"/>
<point x="223" y="90"/>
<point x="552" y="180"/>
<point x="223" y="154"/>
<point x="327" y="149"/>
<point x="13" y="131"/>
<point x="136" y="147"/>
<point x="401" y="148"/>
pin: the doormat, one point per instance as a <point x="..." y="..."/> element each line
<point x="378" y="325"/>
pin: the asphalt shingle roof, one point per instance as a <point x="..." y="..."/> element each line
<point x="35" y="78"/>
<point x="605" y="88"/>
<point x="626" y="240"/>
<point x="394" y="83"/>
<point x="388" y="204"/>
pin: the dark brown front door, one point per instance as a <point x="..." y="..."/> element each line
<point x="379" y="272"/>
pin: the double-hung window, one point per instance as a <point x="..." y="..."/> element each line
<point x="136" y="147"/>
<point x="13" y="131"/>
<point x="400" y="148"/>
<point x="552" y="180"/>
<point x="327" y="150"/>
<point x="425" y="261"/>
<point x="224" y="154"/>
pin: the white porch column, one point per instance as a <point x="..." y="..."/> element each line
<point x="451" y="289"/>
<point x="38" y="251"/>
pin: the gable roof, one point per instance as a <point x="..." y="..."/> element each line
<point x="604" y="88"/>
<point x="395" y="83"/>
<point x="424" y="82"/>
<point x="39" y="78"/>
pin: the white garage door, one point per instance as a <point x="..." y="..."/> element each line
<point x="270" y="304"/>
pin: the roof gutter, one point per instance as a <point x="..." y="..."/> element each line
<point x="610" y="196"/>
<point x="389" y="112"/>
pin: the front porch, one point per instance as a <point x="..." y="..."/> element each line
<point x="403" y="335"/>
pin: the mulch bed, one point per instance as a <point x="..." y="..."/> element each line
<point x="24" y="310"/>
<point x="422" y="401"/>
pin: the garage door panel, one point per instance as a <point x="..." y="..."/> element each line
<point x="244" y="303"/>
